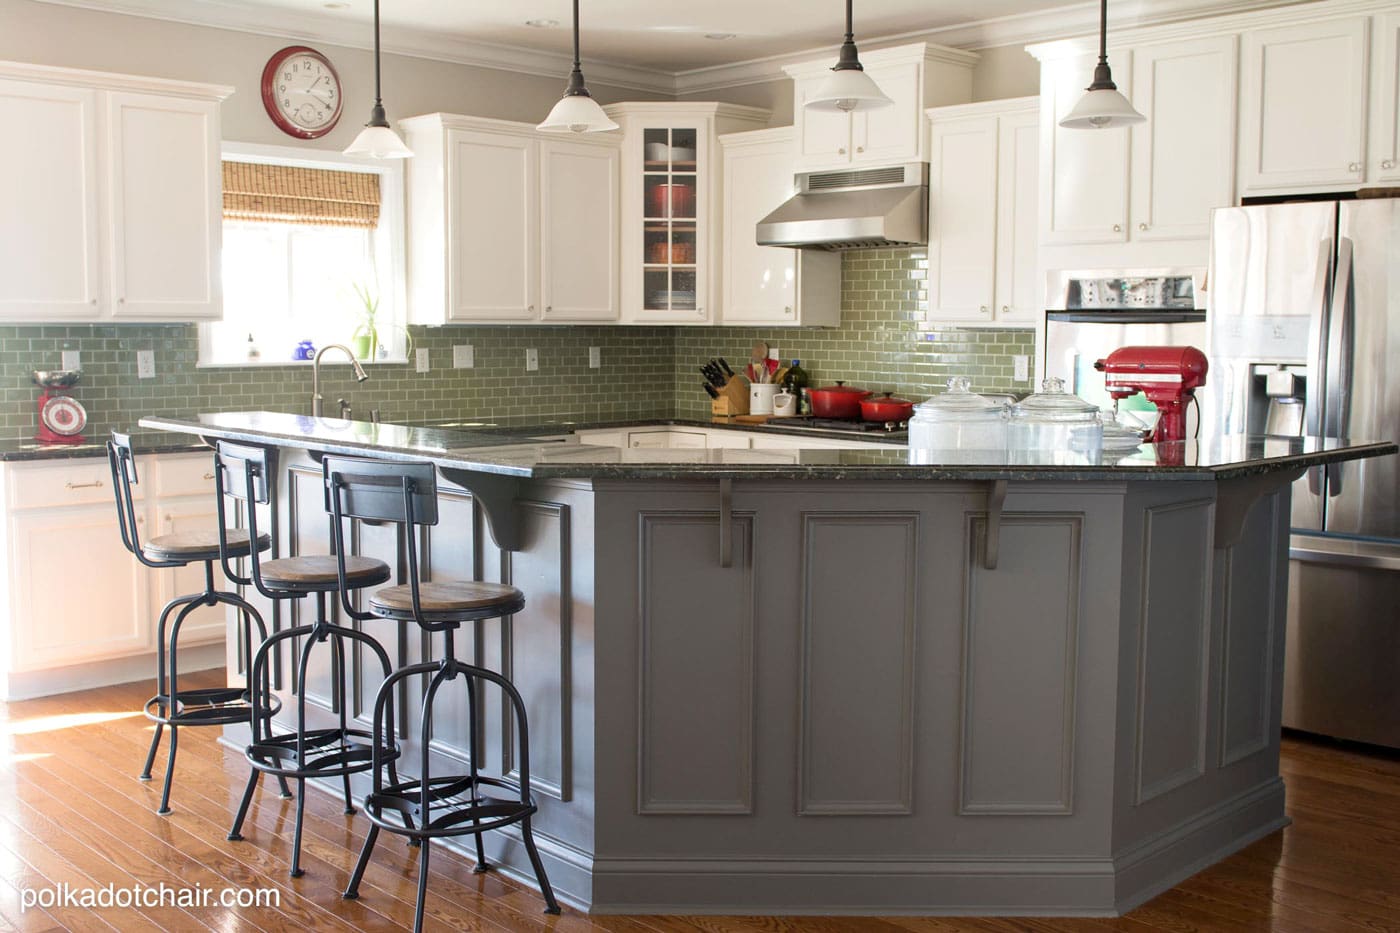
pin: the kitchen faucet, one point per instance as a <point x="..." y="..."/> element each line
<point x="360" y="374"/>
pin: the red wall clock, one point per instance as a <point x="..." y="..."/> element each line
<point x="301" y="92"/>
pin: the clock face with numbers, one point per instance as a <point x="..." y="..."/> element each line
<point x="301" y="92"/>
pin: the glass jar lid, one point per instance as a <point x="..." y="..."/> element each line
<point x="1053" y="403"/>
<point x="959" y="403"/>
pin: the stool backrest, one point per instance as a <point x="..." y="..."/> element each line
<point x="122" y="461"/>
<point x="241" y="471"/>
<point x="381" y="490"/>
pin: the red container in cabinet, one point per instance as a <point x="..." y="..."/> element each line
<point x="671" y="201"/>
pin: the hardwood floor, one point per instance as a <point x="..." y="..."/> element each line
<point x="75" y="813"/>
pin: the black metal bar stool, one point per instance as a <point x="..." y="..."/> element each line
<point x="171" y="706"/>
<point x="243" y="472"/>
<point x="432" y="805"/>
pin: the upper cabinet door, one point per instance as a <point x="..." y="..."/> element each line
<point x="493" y="227"/>
<point x="760" y="282"/>
<point x="1384" y="162"/>
<point x="962" y="248"/>
<point x="1018" y="291"/>
<point x="1303" y="109"/>
<point x="49" y="268"/>
<point x="1084" y="181"/>
<point x="166" y="212"/>
<point x="579" y="231"/>
<point x="891" y="134"/>
<point x="1183" y="157"/>
<point x="823" y="136"/>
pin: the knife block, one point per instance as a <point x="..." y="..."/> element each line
<point x="733" y="398"/>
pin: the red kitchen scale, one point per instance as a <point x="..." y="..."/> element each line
<point x="61" y="418"/>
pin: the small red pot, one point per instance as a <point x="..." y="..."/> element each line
<point x="886" y="408"/>
<point x="838" y="401"/>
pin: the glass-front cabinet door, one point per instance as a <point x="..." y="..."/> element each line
<point x="670" y="188"/>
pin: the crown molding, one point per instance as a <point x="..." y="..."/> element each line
<point x="111" y="81"/>
<point x="412" y="43"/>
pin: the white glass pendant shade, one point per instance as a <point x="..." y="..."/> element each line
<point x="378" y="142"/>
<point x="848" y="90"/>
<point x="576" y="113"/>
<point x="1102" y="108"/>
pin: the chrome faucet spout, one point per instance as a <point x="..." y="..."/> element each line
<point x="360" y="374"/>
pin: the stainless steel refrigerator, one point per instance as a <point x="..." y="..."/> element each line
<point x="1304" y="338"/>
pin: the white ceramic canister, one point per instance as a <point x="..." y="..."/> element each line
<point x="784" y="405"/>
<point x="961" y="425"/>
<point x="761" y="397"/>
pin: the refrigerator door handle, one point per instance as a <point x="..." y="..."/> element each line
<point x="1342" y="314"/>
<point x="1314" y="414"/>
<point x="1360" y="557"/>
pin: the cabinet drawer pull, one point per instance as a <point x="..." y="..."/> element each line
<point x="208" y="476"/>
<point x="95" y="484"/>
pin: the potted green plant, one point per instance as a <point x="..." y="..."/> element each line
<point x="365" y="340"/>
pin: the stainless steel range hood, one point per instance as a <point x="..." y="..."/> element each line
<point x="853" y="209"/>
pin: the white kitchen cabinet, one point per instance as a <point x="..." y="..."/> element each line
<point x="721" y="439"/>
<point x="1183" y="157"/>
<point x="671" y="207"/>
<point x="1083" y="173"/>
<point x="112" y="205"/>
<point x="770" y="285"/>
<point x="1303" y="111"/>
<point x="1383" y="162"/>
<point x="915" y="77"/>
<point x="983" y="202"/>
<point x="507" y="225"/>
<point x="671" y="438"/>
<point x="175" y="516"/>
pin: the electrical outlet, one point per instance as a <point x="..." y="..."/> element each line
<point x="72" y="360"/>
<point x="463" y="356"/>
<point x="773" y="354"/>
<point x="532" y="360"/>
<point x="1022" y="368"/>
<point x="595" y="357"/>
<point x="145" y="364"/>
<point x="420" y="357"/>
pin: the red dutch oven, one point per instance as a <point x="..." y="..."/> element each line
<point x="886" y="408"/>
<point x="838" y="401"/>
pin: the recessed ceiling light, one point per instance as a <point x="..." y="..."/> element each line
<point x="335" y="6"/>
<point x="542" y="23"/>
<point x="720" y="36"/>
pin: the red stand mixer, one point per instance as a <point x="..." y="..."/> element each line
<point x="1168" y="376"/>
<point x="61" y="418"/>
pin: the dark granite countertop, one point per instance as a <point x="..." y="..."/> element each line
<point x="510" y="454"/>
<point x="534" y="426"/>
<point x="143" y="442"/>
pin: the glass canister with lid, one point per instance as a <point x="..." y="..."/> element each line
<point x="1057" y="423"/>
<point x="960" y="425"/>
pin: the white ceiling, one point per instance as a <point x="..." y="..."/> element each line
<point x="661" y="44"/>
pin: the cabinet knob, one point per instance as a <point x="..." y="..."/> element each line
<point x="93" y="302"/>
<point x="1353" y="166"/>
<point x="985" y="309"/>
<point x="787" y="309"/>
<point x="548" y="308"/>
<point x="1142" y="226"/>
<point x="860" y="148"/>
<point x="1117" y="228"/>
<point x="1005" y="309"/>
<point x="208" y="477"/>
<point x="1388" y="163"/>
<point x="841" y="151"/>
<point x="531" y="308"/>
<point x="121" y="301"/>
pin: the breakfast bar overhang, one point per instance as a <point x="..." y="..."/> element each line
<point x="849" y="683"/>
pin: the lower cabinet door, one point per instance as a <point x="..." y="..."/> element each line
<point x="77" y="593"/>
<point x="207" y="623"/>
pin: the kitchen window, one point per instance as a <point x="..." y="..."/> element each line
<point x="310" y="244"/>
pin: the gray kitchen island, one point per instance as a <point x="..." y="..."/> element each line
<point x="833" y="681"/>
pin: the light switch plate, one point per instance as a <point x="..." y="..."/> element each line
<point x="420" y="357"/>
<point x="1022" y="365"/>
<point x="532" y="360"/>
<point x="145" y="364"/>
<point x="72" y="360"/>
<point x="595" y="357"/>
<point x="463" y="356"/>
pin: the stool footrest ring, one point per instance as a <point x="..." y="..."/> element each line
<point x="456" y="806"/>
<point x="330" y="753"/>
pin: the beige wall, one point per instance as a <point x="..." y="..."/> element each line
<point x="49" y="34"/>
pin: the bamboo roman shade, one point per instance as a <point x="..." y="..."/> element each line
<point x="290" y="194"/>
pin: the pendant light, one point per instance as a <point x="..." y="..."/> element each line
<point x="377" y="140"/>
<point x="1102" y="106"/>
<point x="577" y="111"/>
<point x="849" y="87"/>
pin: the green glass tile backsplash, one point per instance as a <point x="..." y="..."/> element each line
<point x="883" y="343"/>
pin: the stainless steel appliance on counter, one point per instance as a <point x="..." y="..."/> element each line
<point x="1095" y="313"/>
<point x="1304" y="338"/>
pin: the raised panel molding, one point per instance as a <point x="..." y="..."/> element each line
<point x="857" y="679"/>
<point x="1008" y="689"/>
<point x="1246" y="701"/>
<point x="1173" y="647"/>
<point x="695" y="625"/>
<point x="545" y="629"/>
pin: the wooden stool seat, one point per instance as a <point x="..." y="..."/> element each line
<point x="447" y="600"/>
<point x="191" y="546"/>
<point x="314" y="572"/>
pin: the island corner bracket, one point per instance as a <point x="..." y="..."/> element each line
<point x="497" y="495"/>
<point x="1235" y="497"/>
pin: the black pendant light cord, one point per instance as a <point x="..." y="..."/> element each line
<point x="849" y="60"/>
<point x="1103" y="78"/>
<point x="576" y="86"/>
<point x="377" y="116"/>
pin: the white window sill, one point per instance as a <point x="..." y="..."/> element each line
<point x="327" y="361"/>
